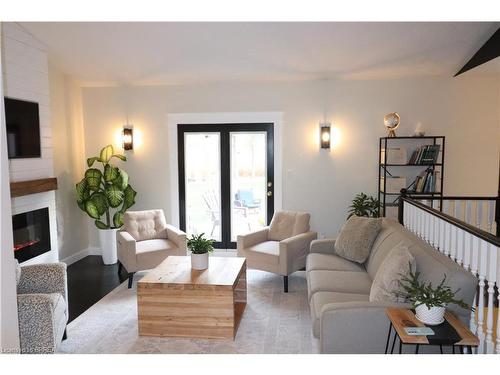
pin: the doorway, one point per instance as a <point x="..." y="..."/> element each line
<point x="226" y="179"/>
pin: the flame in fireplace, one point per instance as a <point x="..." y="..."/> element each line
<point x="25" y="244"/>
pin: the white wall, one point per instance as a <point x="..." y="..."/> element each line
<point x="9" y="332"/>
<point x="464" y="109"/>
<point x="67" y="128"/>
<point x="26" y="77"/>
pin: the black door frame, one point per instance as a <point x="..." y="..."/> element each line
<point x="225" y="159"/>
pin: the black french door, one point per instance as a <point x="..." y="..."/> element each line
<point x="226" y="179"/>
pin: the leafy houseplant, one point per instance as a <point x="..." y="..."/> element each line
<point x="364" y="205"/>
<point x="100" y="191"/>
<point x="200" y="247"/>
<point x="429" y="302"/>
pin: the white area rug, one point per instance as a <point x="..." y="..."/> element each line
<point x="273" y="322"/>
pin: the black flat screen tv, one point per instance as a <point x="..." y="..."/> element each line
<point x="23" y="128"/>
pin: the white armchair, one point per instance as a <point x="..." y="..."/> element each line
<point x="280" y="248"/>
<point x="146" y="240"/>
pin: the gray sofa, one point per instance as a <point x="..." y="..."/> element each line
<point x="344" y="319"/>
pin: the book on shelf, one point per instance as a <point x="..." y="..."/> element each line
<point x="424" y="155"/>
<point x="425" y="182"/>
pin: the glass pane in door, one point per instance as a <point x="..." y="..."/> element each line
<point x="202" y="174"/>
<point x="248" y="182"/>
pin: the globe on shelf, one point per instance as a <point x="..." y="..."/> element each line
<point x="391" y="122"/>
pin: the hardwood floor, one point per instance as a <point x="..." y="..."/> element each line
<point x="88" y="281"/>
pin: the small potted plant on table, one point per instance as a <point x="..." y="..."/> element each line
<point x="200" y="247"/>
<point x="429" y="302"/>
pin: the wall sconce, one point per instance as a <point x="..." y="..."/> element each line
<point x="325" y="135"/>
<point x="128" y="139"/>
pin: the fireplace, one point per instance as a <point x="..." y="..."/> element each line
<point x="31" y="234"/>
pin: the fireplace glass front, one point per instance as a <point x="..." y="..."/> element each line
<point x="31" y="234"/>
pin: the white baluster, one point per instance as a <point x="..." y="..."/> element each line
<point x="479" y="214"/>
<point x="473" y="270"/>
<point x="460" y="246"/>
<point x="442" y="225"/>
<point x="468" y="212"/>
<point x="446" y="207"/>
<point x="453" y="243"/>
<point x="467" y="249"/>
<point x="483" y="266"/>
<point x="436" y="232"/>
<point x="492" y="275"/>
<point x="429" y="228"/>
<point x="452" y="208"/>
<point x="420" y="222"/>
<point x="447" y="239"/>
<point x="425" y="233"/>
<point x="491" y="215"/>
<point x="497" y="346"/>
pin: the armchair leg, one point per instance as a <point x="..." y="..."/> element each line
<point x="285" y="284"/>
<point x="65" y="334"/>
<point x="130" y="279"/>
<point x="120" y="267"/>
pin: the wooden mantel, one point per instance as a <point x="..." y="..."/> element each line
<point x="20" y="188"/>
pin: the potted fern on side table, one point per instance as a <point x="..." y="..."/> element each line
<point x="101" y="190"/>
<point x="200" y="247"/>
<point x="429" y="302"/>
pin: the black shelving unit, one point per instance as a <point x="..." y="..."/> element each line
<point x="411" y="171"/>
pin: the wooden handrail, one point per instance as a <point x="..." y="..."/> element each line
<point x="451" y="198"/>
<point x="449" y="219"/>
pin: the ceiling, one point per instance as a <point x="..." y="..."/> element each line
<point x="166" y="53"/>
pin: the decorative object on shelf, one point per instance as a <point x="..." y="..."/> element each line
<point x="429" y="302"/>
<point x="101" y="190"/>
<point x="364" y="205"/>
<point x="128" y="138"/>
<point x="200" y="247"/>
<point x="418" y="131"/>
<point x="391" y="122"/>
<point x="325" y="135"/>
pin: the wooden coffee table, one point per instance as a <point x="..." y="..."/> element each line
<point x="174" y="300"/>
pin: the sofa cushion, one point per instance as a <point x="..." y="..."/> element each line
<point x="331" y="262"/>
<point x="356" y="238"/>
<point x="266" y="252"/>
<point x="396" y="265"/>
<point x="286" y="224"/>
<point x="320" y="299"/>
<point x="338" y="281"/>
<point x="145" y="225"/>
<point x="151" y="253"/>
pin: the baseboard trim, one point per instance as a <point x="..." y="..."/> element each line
<point x="81" y="254"/>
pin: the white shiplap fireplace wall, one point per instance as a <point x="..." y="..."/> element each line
<point x="26" y="77"/>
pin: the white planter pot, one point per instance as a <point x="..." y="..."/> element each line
<point x="199" y="261"/>
<point x="432" y="316"/>
<point x="107" y="240"/>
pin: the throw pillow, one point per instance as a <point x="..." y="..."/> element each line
<point x="145" y="225"/>
<point x="397" y="264"/>
<point x="356" y="238"/>
<point x="286" y="224"/>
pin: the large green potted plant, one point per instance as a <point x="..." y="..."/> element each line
<point x="199" y="247"/>
<point x="429" y="302"/>
<point x="105" y="194"/>
<point x="364" y="205"/>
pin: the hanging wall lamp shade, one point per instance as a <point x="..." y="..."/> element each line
<point x="325" y="136"/>
<point x="128" y="138"/>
